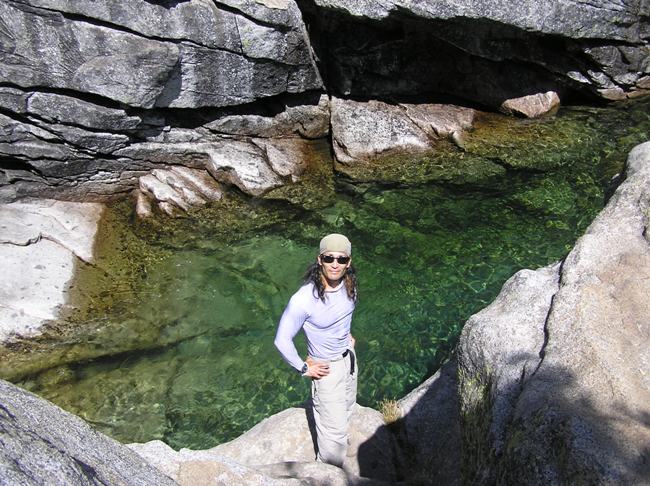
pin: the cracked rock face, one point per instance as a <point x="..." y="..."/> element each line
<point x="83" y="82"/>
<point x="82" y="157"/>
<point x="557" y="367"/>
<point x="185" y="55"/>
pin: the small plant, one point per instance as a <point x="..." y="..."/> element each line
<point x="390" y="410"/>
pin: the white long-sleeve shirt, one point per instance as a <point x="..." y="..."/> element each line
<point x="326" y="324"/>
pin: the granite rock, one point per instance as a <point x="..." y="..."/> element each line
<point x="188" y="467"/>
<point x="282" y="447"/>
<point x="145" y="55"/>
<point x="175" y="190"/>
<point x="554" y="374"/>
<point x="532" y="106"/>
<point x="363" y="131"/>
<point x="43" y="444"/>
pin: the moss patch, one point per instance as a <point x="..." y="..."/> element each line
<point x="444" y="164"/>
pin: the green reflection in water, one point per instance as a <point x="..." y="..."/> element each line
<point x="202" y="304"/>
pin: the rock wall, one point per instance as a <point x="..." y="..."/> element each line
<point x="95" y="95"/>
<point x="483" y="51"/>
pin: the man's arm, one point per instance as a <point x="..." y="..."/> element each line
<point x="291" y="322"/>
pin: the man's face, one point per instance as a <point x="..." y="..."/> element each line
<point x="331" y="267"/>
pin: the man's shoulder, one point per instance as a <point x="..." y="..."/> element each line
<point x="306" y="292"/>
<point x="305" y="297"/>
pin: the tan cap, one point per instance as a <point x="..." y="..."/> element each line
<point x="336" y="242"/>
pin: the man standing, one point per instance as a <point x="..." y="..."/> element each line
<point x="323" y="308"/>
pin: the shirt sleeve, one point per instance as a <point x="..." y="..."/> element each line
<point x="291" y="322"/>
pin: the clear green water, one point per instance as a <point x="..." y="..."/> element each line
<point x="188" y="313"/>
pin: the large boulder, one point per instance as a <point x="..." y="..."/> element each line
<point x="283" y="445"/>
<point x="554" y="384"/>
<point x="364" y="131"/>
<point x="483" y="51"/>
<point x="43" y="444"/>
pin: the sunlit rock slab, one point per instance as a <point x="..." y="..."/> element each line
<point x="40" y="244"/>
<point x="189" y="468"/>
<point x="286" y="438"/>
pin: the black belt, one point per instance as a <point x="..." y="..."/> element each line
<point x="348" y="351"/>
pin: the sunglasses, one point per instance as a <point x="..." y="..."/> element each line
<point x="343" y="260"/>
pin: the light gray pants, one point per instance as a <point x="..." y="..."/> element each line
<point x="334" y="397"/>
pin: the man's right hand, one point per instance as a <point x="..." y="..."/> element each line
<point x="317" y="369"/>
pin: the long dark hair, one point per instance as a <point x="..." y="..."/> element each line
<point x="315" y="276"/>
